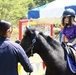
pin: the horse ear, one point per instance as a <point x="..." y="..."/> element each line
<point x="28" y="30"/>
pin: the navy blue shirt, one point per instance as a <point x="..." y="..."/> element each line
<point x="10" y="54"/>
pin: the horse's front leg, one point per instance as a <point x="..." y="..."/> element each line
<point x="47" y="72"/>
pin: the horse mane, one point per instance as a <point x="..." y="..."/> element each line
<point x="53" y="43"/>
<point x="50" y="40"/>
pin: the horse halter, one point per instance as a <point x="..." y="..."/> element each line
<point x="33" y="42"/>
<point x="32" y="45"/>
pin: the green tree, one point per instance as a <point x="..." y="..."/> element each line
<point x="41" y="2"/>
<point x="50" y="0"/>
<point x="13" y="10"/>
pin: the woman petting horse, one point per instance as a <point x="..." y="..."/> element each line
<point x="69" y="30"/>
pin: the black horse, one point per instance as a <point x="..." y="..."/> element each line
<point x="50" y="50"/>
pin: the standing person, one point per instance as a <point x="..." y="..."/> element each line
<point x="69" y="30"/>
<point x="11" y="53"/>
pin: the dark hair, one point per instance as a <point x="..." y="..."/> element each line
<point x="71" y="14"/>
<point x="70" y="21"/>
<point x="4" y="26"/>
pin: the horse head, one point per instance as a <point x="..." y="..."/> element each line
<point x="29" y="41"/>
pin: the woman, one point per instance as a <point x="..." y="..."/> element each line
<point x="11" y="53"/>
<point x="69" y="30"/>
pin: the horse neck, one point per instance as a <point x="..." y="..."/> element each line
<point x="50" y="51"/>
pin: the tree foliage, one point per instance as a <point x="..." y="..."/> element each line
<point x="37" y="3"/>
<point x="14" y="10"/>
<point x="41" y="2"/>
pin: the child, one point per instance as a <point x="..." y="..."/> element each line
<point x="69" y="30"/>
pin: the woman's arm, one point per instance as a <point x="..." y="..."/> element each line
<point x="74" y="42"/>
<point x="24" y="60"/>
<point x="64" y="39"/>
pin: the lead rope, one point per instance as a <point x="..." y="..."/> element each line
<point x="29" y="73"/>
